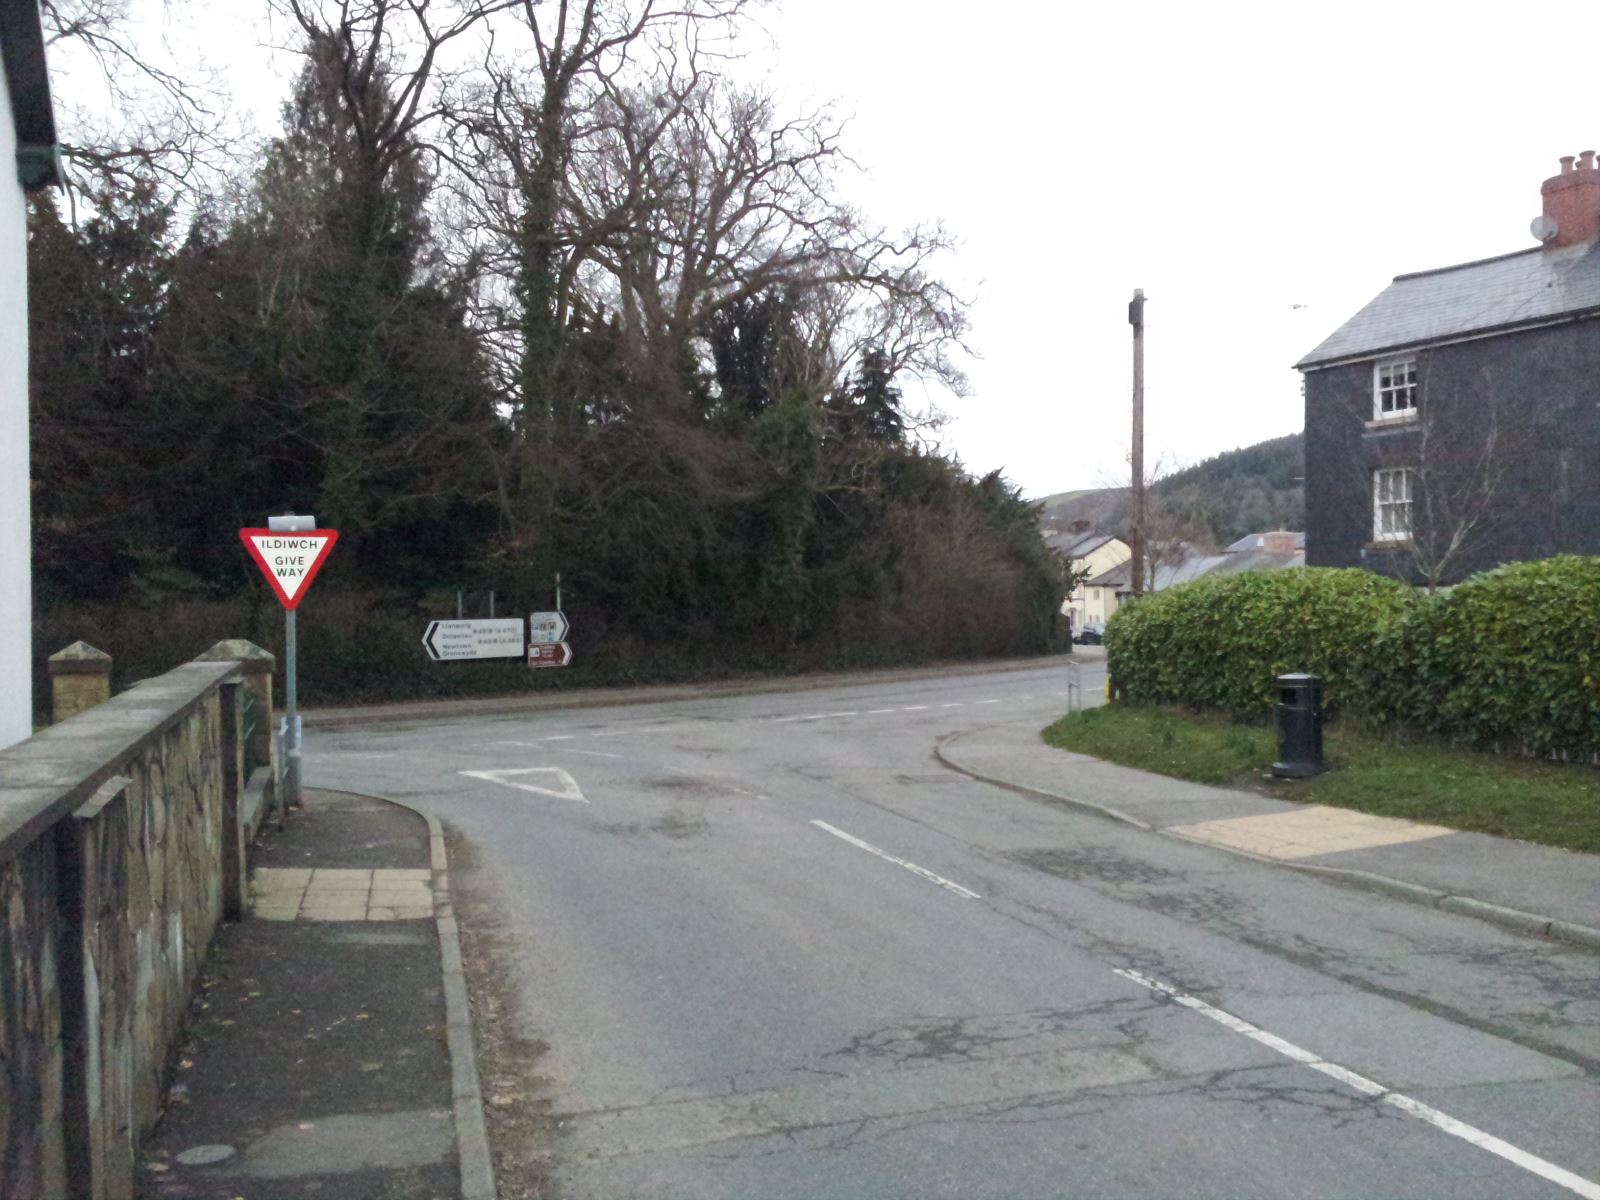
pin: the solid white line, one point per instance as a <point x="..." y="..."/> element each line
<point x="1576" y="1184"/>
<point x="899" y="862"/>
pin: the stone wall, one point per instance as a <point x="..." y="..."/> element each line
<point x="115" y="868"/>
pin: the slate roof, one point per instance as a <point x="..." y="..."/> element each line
<point x="1529" y="287"/>
<point x="1077" y="545"/>
<point x="1168" y="575"/>
<point x="1255" y="541"/>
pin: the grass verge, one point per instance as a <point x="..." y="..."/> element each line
<point x="1553" y="803"/>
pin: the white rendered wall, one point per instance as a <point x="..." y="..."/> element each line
<point x="16" y="592"/>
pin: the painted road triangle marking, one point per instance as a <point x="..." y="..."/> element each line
<point x="567" y="790"/>
<point x="290" y="561"/>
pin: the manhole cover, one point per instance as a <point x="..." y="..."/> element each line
<point x="201" y="1156"/>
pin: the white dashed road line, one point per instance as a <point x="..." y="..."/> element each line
<point x="1576" y="1184"/>
<point x="964" y="893"/>
<point x="914" y="708"/>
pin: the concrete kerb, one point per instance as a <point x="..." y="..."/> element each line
<point x="1507" y="918"/>
<point x="475" y="1164"/>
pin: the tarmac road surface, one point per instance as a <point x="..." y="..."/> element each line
<point x="776" y="950"/>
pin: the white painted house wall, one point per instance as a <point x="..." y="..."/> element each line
<point x="16" y="586"/>
<point x="1088" y="606"/>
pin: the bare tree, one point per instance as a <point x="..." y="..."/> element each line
<point x="145" y="117"/>
<point x="1466" y="484"/>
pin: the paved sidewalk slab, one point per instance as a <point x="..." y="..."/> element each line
<point x="1310" y="831"/>
<point x="1542" y="882"/>
<point x="314" y="1061"/>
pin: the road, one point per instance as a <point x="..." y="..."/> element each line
<point x="776" y="950"/>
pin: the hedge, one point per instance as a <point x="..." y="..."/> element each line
<point x="1220" y="641"/>
<point x="1509" y="659"/>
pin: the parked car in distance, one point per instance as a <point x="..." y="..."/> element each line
<point x="1090" y="635"/>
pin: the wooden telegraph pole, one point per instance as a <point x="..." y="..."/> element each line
<point x="1136" y="319"/>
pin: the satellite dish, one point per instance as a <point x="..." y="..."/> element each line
<point x="1543" y="228"/>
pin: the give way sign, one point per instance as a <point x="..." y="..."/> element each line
<point x="290" y="561"/>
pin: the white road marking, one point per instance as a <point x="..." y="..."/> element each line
<point x="986" y="702"/>
<point x="591" y="753"/>
<point x="957" y="704"/>
<point x="899" y="862"/>
<point x="635" y="732"/>
<point x="1576" y="1184"/>
<point x="914" y="708"/>
<point x="535" y="745"/>
<point x="873" y="712"/>
<point x="569" y="786"/>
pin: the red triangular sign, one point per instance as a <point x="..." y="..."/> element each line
<point x="290" y="561"/>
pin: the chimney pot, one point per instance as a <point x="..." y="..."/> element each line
<point x="1572" y="201"/>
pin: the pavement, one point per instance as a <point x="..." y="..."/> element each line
<point x="317" y="1058"/>
<point x="1519" y="885"/>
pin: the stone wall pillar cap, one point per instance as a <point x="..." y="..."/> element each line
<point x="254" y="658"/>
<point x="80" y="658"/>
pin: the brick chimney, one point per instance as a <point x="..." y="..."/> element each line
<point x="1572" y="201"/>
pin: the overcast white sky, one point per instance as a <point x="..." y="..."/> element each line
<point x="1234" y="160"/>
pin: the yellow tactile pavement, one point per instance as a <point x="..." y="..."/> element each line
<point x="342" y="894"/>
<point x="1314" y="829"/>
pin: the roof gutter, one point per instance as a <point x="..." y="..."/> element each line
<point x="28" y="83"/>
<point x="1582" y="314"/>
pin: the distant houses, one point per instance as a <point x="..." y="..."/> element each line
<point x="1088" y="554"/>
<point x="1104" y="563"/>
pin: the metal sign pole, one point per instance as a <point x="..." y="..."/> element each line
<point x="291" y="778"/>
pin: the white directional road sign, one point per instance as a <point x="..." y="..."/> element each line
<point x="547" y="628"/>
<point x="458" y="641"/>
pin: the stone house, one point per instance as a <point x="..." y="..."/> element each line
<point x="27" y="161"/>
<point x="1453" y="424"/>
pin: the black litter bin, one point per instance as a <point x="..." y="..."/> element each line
<point x="1299" y="727"/>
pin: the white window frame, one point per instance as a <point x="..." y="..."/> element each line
<point x="1400" y="391"/>
<point x="1393" y="503"/>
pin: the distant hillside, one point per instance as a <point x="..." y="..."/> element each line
<point x="1211" y="503"/>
